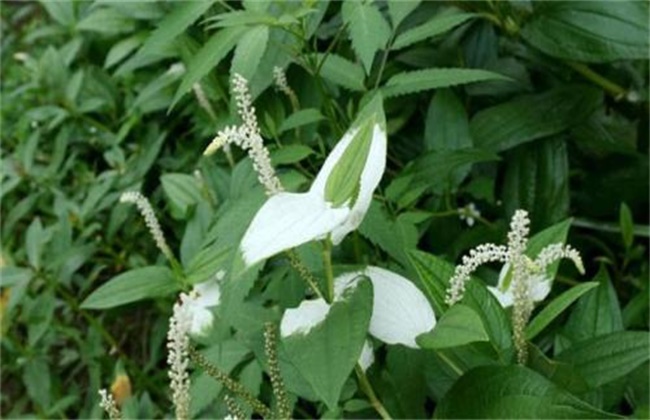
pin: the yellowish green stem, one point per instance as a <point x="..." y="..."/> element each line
<point x="610" y="87"/>
<point x="329" y="272"/>
<point x="366" y="387"/>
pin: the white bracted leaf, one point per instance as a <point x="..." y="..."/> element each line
<point x="203" y="296"/>
<point x="367" y="357"/>
<point x="287" y="220"/>
<point x="400" y="310"/>
<point x="302" y="319"/>
<point x="540" y="287"/>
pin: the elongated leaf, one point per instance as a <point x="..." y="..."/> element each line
<point x="399" y="9"/>
<point x="597" y="312"/>
<point x="434" y="275"/>
<point x="627" y="225"/>
<point x="419" y="80"/>
<point x="207" y="58"/>
<point x="511" y="392"/>
<point x="369" y="31"/>
<point x="592" y="31"/>
<point x="182" y="192"/>
<point x="458" y="326"/>
<point x="240" y="18"/>
<point x="555" y="308"/>
<point x="437" y="25"/>
<point x="300" y="118"/>
<point x="249" y="52"/>
<point x="341" y="71"/>
<point x="436" y="168"/>
<point x="183" y="15"/>
<point x="603" y="359"/>
<point x="132" y="286"/>
<point x="290" y="154"/>
<point x="326" y="355"/>
<point x="106" y="20"/>
<point x="531" y="117"/>
<point x="122" y="49"/>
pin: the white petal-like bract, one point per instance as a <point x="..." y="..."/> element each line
<point x="540" y="287"/>
<point x="367" y="357"/>
<point x="306" y="316"/>
<point x="203" y="296"/>
<point x="288" y="220"/>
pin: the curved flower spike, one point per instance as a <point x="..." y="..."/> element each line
<point x="400" y="311"/>
<point x="337" y="201"/>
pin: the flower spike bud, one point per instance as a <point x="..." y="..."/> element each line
<point x="109" y="405"/>
<point x="178" y="357"/>
<point x="338" y="199"/>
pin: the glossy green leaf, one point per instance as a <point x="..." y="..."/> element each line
<point x="327" y="354"/>
<point x="511" y="392"/>
<point x="597" y="312"/>
<point x="301" y="118"/>
<point x="537" y="179"/>
<point x="249" y="52"/>
<point x="291" y="153"/>
<point x="555" y="308"/>
<point x="208" y="57"/>
<point x="591" y="31"/>
<point x="603" y="359"/>
<point x="399" y="9"/>
<point x="434" y="274"/>
<point x="368" y="29"/>
<point x="435" y="26"/>
<point x="182" y="192"/>
<point x="132" y="286"/>
<point x="458" y="326"/>
<point x="530" y="117"/>
<point x="419" y="80"/>
<point x="182" y="16"/>
<point x="341" y="71"/>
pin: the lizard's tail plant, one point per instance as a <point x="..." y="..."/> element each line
<point x="522" y="282"/>
<point x="108" y="404"/>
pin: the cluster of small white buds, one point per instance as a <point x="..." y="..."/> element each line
<point x="150" y="219"/>
<point x="280" y="80"/>
<point x="108" y="404"/>
<point x="248" y="137"/>
<point x="203" y="101"/>
<point x="178" y="357"/>
<point x="469" y="214"/>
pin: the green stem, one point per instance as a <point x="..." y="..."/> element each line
<point x="451" y="364"/>
<point x="366" y="387"/>
<point x="610" y="87"/>
<point x="327" y="265"/>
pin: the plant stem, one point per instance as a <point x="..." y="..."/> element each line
<point x="366" y="387"/>
<point x="610" y="87"/>
<point x="327" y="265"/>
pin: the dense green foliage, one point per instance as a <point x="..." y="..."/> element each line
<point x="502" y="105"/>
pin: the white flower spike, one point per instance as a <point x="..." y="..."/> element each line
<point x="400" y="311"/>
<point x="338" y="199"/>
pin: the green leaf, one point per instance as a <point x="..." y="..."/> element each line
<point x="249" y="52"/>
<point x="240" y="18"/>
<point x="182" y="192"/>
<point x="434" y="274"/>
<point x="132" y="286"/>
<point x="107" y="21"/>
<point x="207" y="58"/>
<point x="399" y="9"/>
<point x="61" y="11"/>
<point x="419" y="80"/>
<point x="300" y="118"/>
<point x="597" y="312"/>
<point x="182" y="16"/>
<point x="326" y="355"/>
<point x="627" y="225"/>
<point x="555" y="308"/>
<point x="511" y="392"/>
<point x="291" y="153"/>
<point x="437" y="25"/>
<point x="122" y="49"/>
<point x="343" y="182"/>
<point x="537" y="179"/>
<point x="369" y="31"/>
<point x="591" y="31"/>
<point x="530" y="117"/>
<point x="603" y="359"/>
<point x="458" y="326"/>
<point x="341" y="71"/>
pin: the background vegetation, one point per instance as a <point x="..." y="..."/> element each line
<point x="102" y="97"/>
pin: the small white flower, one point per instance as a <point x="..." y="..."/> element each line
<point x="469" y="213"/>
<point x="400" y="311"/>
<point x="330" y="207"/>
